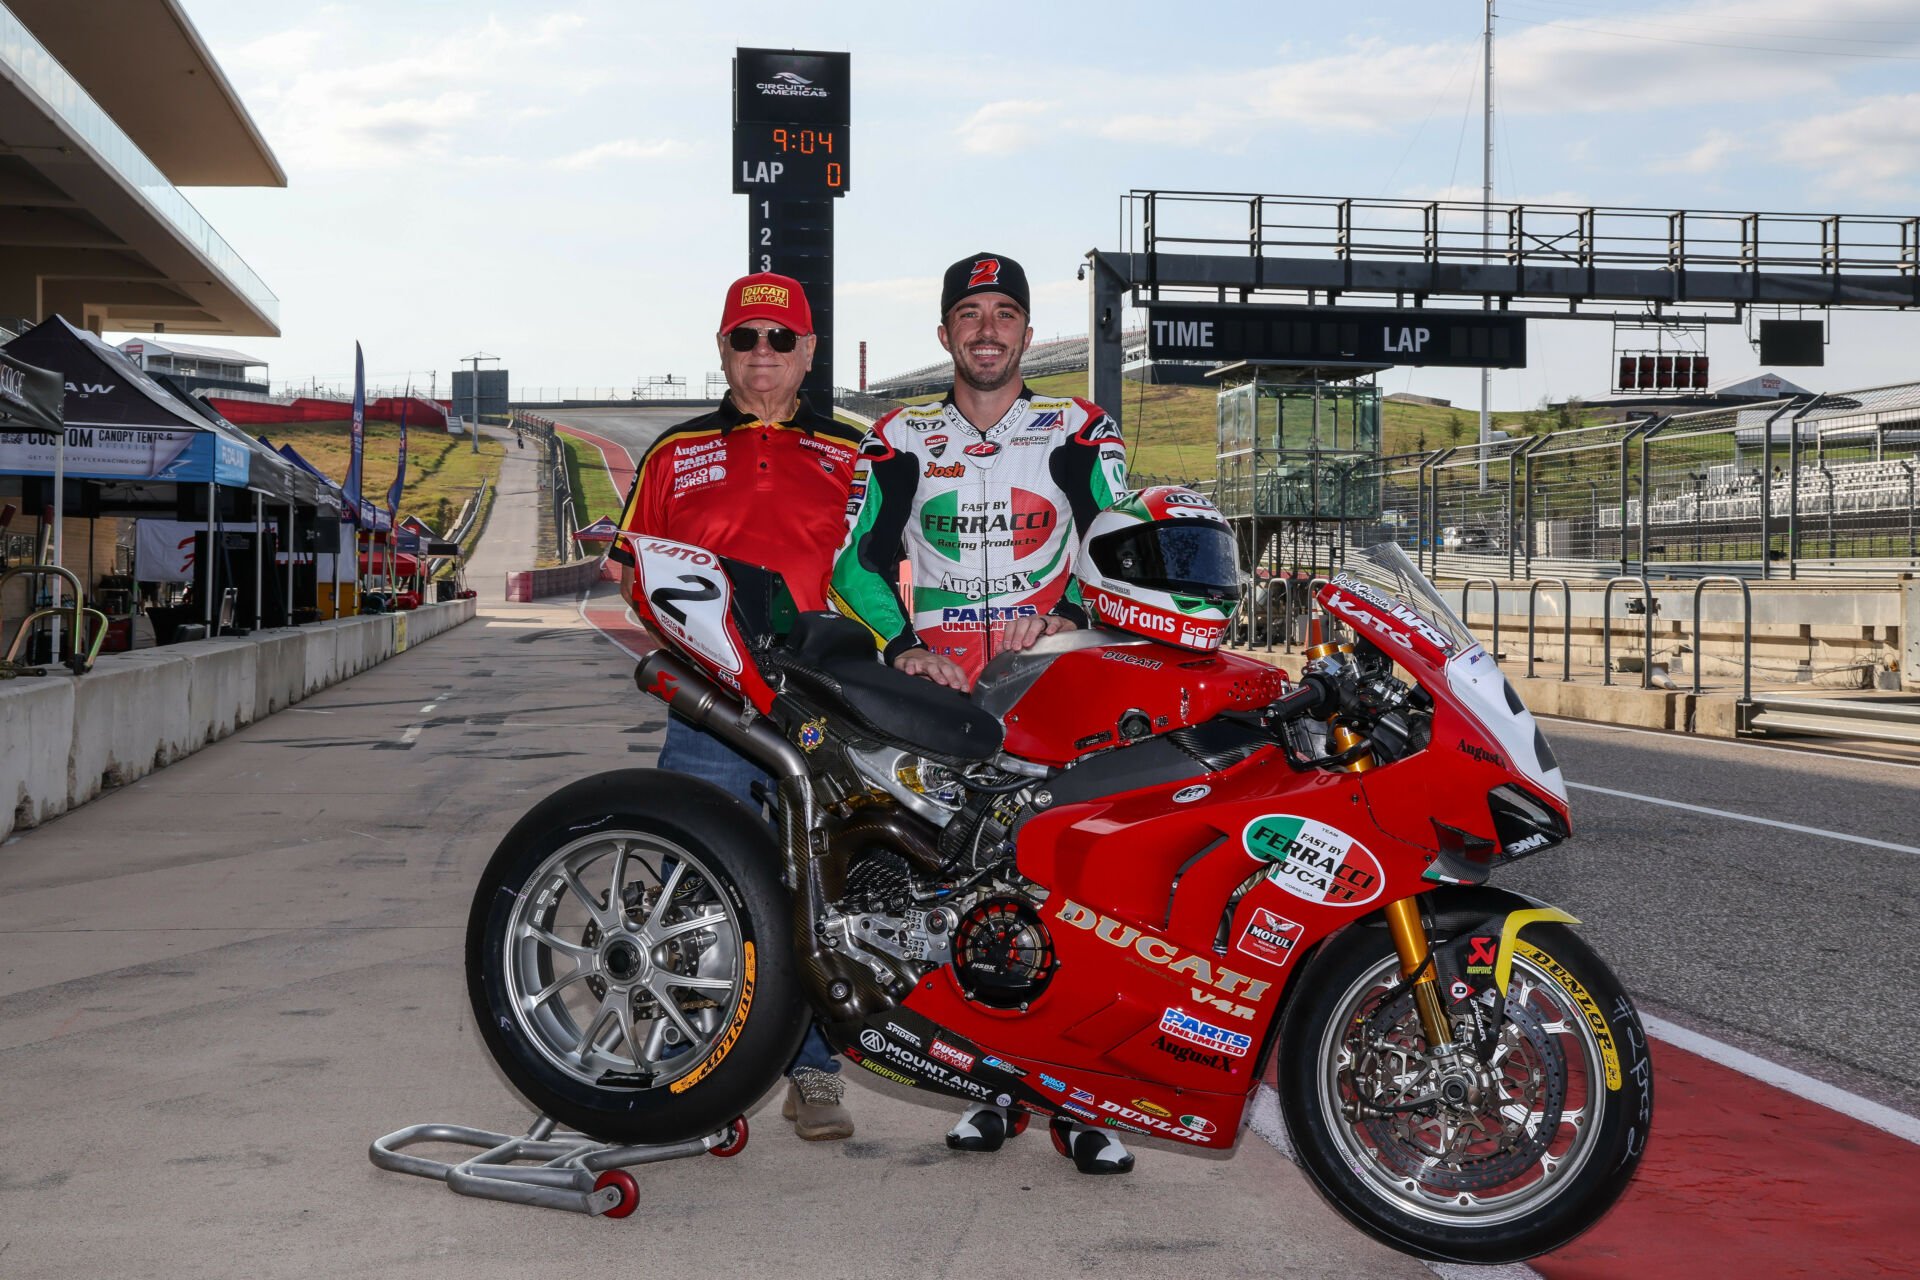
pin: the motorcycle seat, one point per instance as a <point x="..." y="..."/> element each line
<point x="833" y="659"/>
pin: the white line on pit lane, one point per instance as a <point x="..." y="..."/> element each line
<point x="1747" y="817"/>
<point x="412" y="732"/>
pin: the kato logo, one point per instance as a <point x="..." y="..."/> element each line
<point x="1314" y="861"/>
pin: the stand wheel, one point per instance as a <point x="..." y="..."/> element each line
<point x="628" y="1188"/>
<point x="1019" y="1121"/>
<point x="735" y="1141"/>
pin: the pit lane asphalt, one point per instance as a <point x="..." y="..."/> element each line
<point x="1797" y="947"/>
<point x="220" y="983"/>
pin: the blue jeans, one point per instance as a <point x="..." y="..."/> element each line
<point x="688" y="750"/>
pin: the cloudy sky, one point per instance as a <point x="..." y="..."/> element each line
<point x="550" y="184"/>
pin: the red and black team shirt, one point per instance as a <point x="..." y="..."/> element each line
<point x="770" y="493"/>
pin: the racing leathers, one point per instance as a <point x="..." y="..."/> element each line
<point x="987" y="521"/>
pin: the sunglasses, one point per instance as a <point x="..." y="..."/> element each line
<point x="745" y="339"/>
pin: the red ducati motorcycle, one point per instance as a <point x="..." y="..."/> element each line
<point x="1111" y="887"/>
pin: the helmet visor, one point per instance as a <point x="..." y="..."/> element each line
<point x="1184" y="557"/>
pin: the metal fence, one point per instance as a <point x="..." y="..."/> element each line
<point x="1820" y="486"/>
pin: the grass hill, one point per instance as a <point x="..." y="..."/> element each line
<point x="443" y="471"/>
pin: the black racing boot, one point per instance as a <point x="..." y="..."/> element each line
<point x="1091" y="1150"/>
<point x="982" y="1128"/>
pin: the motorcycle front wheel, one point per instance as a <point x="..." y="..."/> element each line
<point x="1455" y="1157"/>
<point x="629" y="958"/>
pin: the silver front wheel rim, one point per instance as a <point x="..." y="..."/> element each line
<point x="1530" y="1127"/>
<point x="624" y="960"/>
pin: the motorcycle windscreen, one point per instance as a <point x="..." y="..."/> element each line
<point x="1486" y="694"/>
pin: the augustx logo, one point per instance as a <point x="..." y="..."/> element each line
<point x="1158" y="952"/>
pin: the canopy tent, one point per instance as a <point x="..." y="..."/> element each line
<point x="121" y="424"/>
<point x="601" y="530"/>
<point x="30" y="397"/>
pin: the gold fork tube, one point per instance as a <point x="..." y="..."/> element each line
<point x="1410" y="940"/>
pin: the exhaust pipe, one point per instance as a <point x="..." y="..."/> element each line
<point x="844" y="991"/>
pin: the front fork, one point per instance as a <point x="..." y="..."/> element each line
<point x="1410" y="940"/>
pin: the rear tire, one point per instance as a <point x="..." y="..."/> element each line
<point x="629" y="958"/>
<point x="1544" y="1144"/>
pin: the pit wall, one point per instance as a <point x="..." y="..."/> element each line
<point x="65" y="739"/>
<point x="560" y="580"/>
<point x="1830" y="635"/>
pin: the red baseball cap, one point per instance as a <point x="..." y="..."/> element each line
<point x="767" y="296"/>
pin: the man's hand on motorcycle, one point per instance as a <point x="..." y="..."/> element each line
<point x="1024" y="633"/>
<point x="931" y="666"/>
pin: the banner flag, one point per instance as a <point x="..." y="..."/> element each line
<point x="352" y="484"/>
<point x="400" y="477"/>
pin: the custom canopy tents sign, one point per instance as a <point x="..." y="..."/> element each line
<point x="121" y="424"/>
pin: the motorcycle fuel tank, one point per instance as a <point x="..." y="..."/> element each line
<point x="1084" y="691"/>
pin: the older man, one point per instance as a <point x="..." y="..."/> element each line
<point x="763" y="479"/>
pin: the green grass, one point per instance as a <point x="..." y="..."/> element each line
<point x="443" y="471"/>
<point x="593" y="492"/>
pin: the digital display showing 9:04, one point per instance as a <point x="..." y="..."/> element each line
<point x="796" y="161"/>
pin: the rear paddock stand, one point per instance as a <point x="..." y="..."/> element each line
<point x="573" y="1172"/>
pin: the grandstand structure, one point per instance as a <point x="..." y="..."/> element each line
<point x="1057" y="355"/>
<point x="1805" y="486"/>
<point x="105" y="115"/>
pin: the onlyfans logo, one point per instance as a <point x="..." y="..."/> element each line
<point x="790" y="84"/>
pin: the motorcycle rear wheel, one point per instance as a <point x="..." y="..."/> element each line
<point x="1546" y="1139"/>
<point x="629" y="958"/>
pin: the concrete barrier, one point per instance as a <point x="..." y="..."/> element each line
<point x="64" y="740"/>
<point x="561" y="580"/>
<point x="36" y="724"/>
<point x="131" y="715"/>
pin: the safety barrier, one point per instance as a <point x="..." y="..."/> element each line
<point x="1566" y="624"/>
<point x="63" y="741"/>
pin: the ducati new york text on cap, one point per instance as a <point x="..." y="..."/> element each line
<point x="765" y="295"/>
<point x="984" y="273"/>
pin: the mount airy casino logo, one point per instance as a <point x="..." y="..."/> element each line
<point x="764" y="295"/>
<point x="790" y="84"/>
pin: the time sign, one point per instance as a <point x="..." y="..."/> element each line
<point x="791" y="161"/>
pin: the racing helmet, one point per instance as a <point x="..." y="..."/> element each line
<point x="1161" y="563"/>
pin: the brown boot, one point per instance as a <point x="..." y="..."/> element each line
<point x="814" y="1104"/>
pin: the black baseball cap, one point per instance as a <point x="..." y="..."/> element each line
<point x="984" y="273"/>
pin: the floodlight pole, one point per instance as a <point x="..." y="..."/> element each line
<point x="1486" y="237"/>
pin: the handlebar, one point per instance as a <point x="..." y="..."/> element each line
<point x="1314" y="693"/>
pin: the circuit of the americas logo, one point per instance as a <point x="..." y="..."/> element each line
<point x="790" y="84"/>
